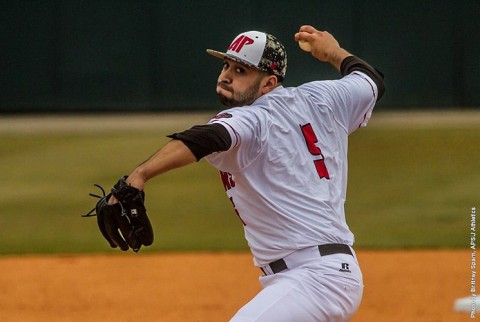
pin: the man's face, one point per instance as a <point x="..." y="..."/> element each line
<point x="238" y="85"/>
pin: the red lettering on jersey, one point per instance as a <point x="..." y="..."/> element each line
<point x="228" y="184"/>
<point x="236" y="211"/>
<point x="227" y="180"/>
<point x="311" y="140"/>
<point x="321" y="168"/>
<point x="238" y="43"/>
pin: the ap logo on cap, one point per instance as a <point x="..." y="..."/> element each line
<point x="256" y="49"/>
<point x="249" y="47"/>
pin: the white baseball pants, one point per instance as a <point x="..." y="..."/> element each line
<point x="314" y="288"/>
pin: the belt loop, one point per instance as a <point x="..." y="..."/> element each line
<point x="263" y="271"/>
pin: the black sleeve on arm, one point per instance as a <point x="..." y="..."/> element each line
<point x="353" y="63"/>
<point x="203" y="140"/>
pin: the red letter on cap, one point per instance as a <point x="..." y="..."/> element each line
<point x="238" y="43"/>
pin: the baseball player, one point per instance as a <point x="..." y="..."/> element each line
<point x="282" y="157"/>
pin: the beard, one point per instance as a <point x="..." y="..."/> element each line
<point x="239" y="99"/>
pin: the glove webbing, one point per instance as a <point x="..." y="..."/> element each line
<point x="90" y="213"/>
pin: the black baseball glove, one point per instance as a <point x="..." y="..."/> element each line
<point x="124" y="224"/>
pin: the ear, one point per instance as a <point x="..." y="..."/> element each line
<point x="269" y="83"/>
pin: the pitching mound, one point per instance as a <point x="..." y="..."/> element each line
<point x="399" y="286"/>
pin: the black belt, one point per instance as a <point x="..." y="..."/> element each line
<point x="325" y="250"/>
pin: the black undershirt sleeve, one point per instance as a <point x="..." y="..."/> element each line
<point x="203" y="140"/>
<point x="353" y="63"/>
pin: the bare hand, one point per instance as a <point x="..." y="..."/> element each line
<point x="324" y="46"/>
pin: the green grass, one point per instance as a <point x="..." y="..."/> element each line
<point x="413" y="187"/>
<point x="408" y="187"/>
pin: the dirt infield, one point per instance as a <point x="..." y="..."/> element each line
<point x="399" y="286"/>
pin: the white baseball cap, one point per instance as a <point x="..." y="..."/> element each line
<point x="256" y="49"/>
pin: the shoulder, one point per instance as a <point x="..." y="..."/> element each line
<point x="350" y="84"/>
<point x="243" y="112"/>
<point x="350" y="78"/>
<point x="243" y="120"/>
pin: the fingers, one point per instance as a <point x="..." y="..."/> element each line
<point x="108" y="223"/>
<point x="101" y="221"/>
<point x="101" y="226"/>
<point x="307" y="28"/>
<point x="306" y="33"/>
<point x="310" y="34"/>
<point x="111" y="227"/>
<point x="144" y="230"/>
<point x="128" y="233"/>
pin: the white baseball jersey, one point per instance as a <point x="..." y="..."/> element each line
<point x="286" y="170"/>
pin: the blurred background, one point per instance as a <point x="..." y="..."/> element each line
<point x="143" y="55"/>
<point x="88" y="90"/>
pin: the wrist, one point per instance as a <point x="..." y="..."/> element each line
<point x="137" y="179"/>
<point x="337" y="56"/>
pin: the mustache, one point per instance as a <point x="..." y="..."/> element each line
<point x="225" y="86"/>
